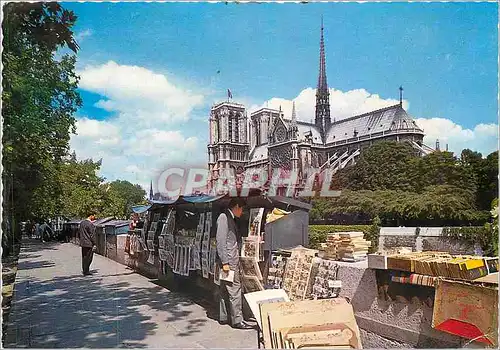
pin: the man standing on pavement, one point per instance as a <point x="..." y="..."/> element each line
<point x="86" y="232"/>
<point x="46" y="231"/>
<point x="228" y="251"/>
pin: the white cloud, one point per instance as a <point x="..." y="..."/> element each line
<point x="482" y="138"/>
<point x="139" y="139"/>
<point x="139" y="94"/>
<point x="80" y="36"/>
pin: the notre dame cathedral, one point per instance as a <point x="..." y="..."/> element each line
<point x="270" y="140"/>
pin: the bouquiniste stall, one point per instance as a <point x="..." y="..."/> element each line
<point x="178" y="237"/>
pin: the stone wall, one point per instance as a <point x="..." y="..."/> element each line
<point x="423" y="239"/>
<point x="389" y="324"/>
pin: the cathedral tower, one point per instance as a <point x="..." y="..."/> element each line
<point x="322" y="119"/>
<point x="228" y="144"/>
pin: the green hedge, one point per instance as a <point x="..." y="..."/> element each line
<point x="318" y="233"/>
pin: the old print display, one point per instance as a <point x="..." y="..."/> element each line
<point x="161" y="242"/>
<point x="255" y="221"/>
<point x="251" y="284"/>
<point x="177" y="257"/>
<point x="297" y="273"/>
<point x="217" y="274"/>
<point x="169" y="249"/>
<point x="151" y="259"/>
<point x="192" y="258"/>
<point x="150" y="245"/>
<point x="250" y="247"/>
<point x="183" y="259"/>
<point x="276" y="271"/>
<point x="154" y="226"/>
<point x="162" y="254"/>
<point x="205" y="246"/>
<point x="204" y="265"/>
<point x="250" y="267"/>
<point x="212" y="255"/>
<point x="200" y="228"/>
<point x="325" y="278"/>
<point x="196" y="258"/>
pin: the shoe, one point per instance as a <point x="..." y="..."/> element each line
<point x="223" y="323"/>
<point x="87" y="274"/>
<point x="242" y="325"/>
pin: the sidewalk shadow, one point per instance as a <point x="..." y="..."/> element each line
<point x="99" y="311"/>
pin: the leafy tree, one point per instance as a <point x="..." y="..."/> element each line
<point x="443" y="168"/>
<point x="390" y="181"/>
<point x="39" y="99"/>
<point x="120" y="196"/>
<point x="384" y="165"/>
<point x="81" y="188"/>
<point x="488" y="181"/>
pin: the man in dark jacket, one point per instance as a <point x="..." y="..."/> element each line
<point x="228" y="241"/>
<point x="86" y="232"/>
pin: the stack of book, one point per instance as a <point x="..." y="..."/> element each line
<point x="353" y="247"/>
<point x="332" y="243"/>
<point x="440" y="264"/>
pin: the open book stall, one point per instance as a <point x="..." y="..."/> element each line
<point x="178" y="237"/>
<point x="289" y="290"/>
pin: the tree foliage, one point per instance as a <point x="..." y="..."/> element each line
<point x="39" y="99"/>
<point x="392" y="182"/>
<point x="120" y="196"/>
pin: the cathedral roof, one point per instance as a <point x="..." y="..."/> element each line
<point x="259" y="153"/>
<point x="305" y="128"/>
<point x="383" y="120"/>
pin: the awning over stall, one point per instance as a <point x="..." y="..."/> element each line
<point x="102" y="221"/>
<point x="257" y="201"/>
<point x="117" y="223"/>
<point x="139" y="209"/>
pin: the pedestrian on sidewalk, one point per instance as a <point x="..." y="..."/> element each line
<point x="228" y="241"/>
<point x="37" y="230"/>
<point x="46" y="231"/>
<point x="86" y="232"/>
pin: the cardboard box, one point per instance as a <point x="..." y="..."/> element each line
<point x="467" y="310"/>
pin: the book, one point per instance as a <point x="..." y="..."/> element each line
<point x="226" y="276"/>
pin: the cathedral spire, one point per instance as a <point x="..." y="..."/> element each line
<point x="322" y="84"/>
<point x="322" y="119"/>
<point x="151" y="194"/>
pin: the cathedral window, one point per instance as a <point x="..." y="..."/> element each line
<point x="217" y="132"/>
<point x="257" y="128"/>
<point x="237" y="130"/>
<point x="230" y="128"/>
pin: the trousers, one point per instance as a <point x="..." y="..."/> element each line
<point x="87" y="256"/>
<point x="230" y="303"/>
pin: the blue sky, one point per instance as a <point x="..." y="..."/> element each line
<point x="444" y="55"/>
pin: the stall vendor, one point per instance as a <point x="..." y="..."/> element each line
<point x="228" y="241"/>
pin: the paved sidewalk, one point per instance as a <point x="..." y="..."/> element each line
<point x="54" y="306"/>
